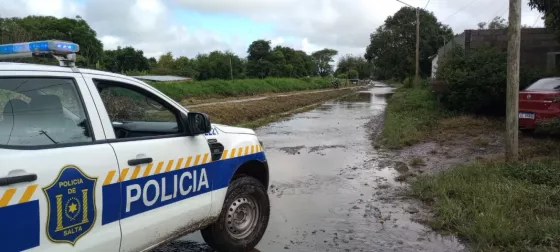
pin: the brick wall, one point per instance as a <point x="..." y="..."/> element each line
<point x="458" y="40"/>
<point x="538" y="45"/>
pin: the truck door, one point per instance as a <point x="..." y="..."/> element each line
<point x="53" y="160"/>
<point x="163" y="177"/>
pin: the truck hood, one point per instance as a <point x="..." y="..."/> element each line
<point x="233" y="130"/>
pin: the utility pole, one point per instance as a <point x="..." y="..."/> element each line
<point x="417" y="75"/>
<point x="230" y="69"/>
<point x="512" y="99"/>
<point x="417" y="78"/>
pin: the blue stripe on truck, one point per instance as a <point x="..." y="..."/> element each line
<point x="132" y="197"/>
<point x="19" y="226"/>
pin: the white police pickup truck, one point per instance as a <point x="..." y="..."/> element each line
<point x="96" y="161"/>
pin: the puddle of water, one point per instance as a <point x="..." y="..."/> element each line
<point x="330" y="189"/>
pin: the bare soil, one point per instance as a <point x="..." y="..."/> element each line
<point x="249" y="111"/>
<point x="454" y="141"/>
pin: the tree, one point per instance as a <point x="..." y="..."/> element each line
<point x="185" y="67"/>
<point x="216" y="65"/>
<point x="287" y="62"/>
<point x="166" y="61"/>
<point x="124" y="60"/>
<point x="550" y="11"/>
<point x="264" y="61"/>
<point x="352" y="74"/>
<point x="323" y="60"/>
<point x="496" y="23"/>
<point x="392" y="45"/>
<point x="258" y="65"/>
<point x="32" y="28"/>
<point x="349" y="62"/>
<point x="152" y="61"/>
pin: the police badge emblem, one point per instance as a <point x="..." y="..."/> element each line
<point x="71" y="205"/>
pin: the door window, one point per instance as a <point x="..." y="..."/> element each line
<point x="41" y="111"/>
<point x="137" y="113"/>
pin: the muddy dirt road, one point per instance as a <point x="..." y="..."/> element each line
<point x="331" y="190"/>
<point x="261" y="97"/>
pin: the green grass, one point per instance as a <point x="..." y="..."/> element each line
<point x="496" y="207"/>
<point x="243" y="87"/>
<point x="410" y="113"/>
<point x="499" y="206"/>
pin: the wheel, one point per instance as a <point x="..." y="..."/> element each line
<point x="243" y="219"/>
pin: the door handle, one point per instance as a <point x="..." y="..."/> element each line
<point x="18" y="179"/>
<point x="139" y="161"/>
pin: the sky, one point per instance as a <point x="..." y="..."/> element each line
<point x="189" y="27"/>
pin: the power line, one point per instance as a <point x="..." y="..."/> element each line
<point x="536" y="20"/>
<point x="427" y="4"/>
<point x="505" y="11"/>
<point x="499" y="9"/>
<point x="464" y="7"/>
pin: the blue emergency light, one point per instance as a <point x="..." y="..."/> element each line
<point x="62" y="50"/>
<point x="47" y="46"/>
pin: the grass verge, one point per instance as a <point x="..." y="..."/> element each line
<point x="410" y="113"/>
<point x="413" y="116"/>
<point x="495" y="205"/>
<point x="244" y="87"/>
<point x="498" y="206"/>
<point x="257" y="113"/>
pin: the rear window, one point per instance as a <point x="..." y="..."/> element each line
<point x="545" y="84"/>
<point x="41" y="111"/>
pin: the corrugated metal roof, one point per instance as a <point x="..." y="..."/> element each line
<point x="161" y="78"/>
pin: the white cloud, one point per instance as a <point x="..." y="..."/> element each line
<point x="345" y="25"/>
<point x="307" y="25"/>
<point x="56" y="8"/>
<point x="110" y="42"/>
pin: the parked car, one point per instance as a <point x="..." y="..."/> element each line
<point x="540" y="101"/>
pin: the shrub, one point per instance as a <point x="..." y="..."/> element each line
<point x="408" y="82"/>
<point x="342" y="76"/>
<point x="353" y="74"/>
<point x="549" y="127"/>
<point x="477" y="80"/>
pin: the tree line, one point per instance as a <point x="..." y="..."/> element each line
<point x="262" y="59"/>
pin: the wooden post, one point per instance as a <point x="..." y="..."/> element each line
<point x="230" y="68"/>
<point x="416" y="79"/>
<point x="512" y="102"/>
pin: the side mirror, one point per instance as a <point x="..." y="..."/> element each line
<point x="196" y="123"/>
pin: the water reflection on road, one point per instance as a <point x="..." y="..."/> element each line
<point x="331" y="190"/>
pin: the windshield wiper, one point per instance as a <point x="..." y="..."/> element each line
<point x="42" y="132"/>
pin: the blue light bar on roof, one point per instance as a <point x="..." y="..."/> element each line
<point x="47" y="46"/>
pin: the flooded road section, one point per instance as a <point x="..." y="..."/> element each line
<point x="331" y="190"/>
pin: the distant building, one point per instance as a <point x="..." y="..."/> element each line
<point x="162" y="78"/>
<point x="540" y="48"/>
<point x="434" y="59"/>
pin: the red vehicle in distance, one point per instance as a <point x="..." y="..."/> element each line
<point x="540" y="101"/>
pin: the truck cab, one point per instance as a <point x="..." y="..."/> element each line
<point x="97" y="161"/>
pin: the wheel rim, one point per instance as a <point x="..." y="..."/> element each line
<point x="242" y="217"/>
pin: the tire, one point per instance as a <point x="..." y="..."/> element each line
<point x="243" y="219"/>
